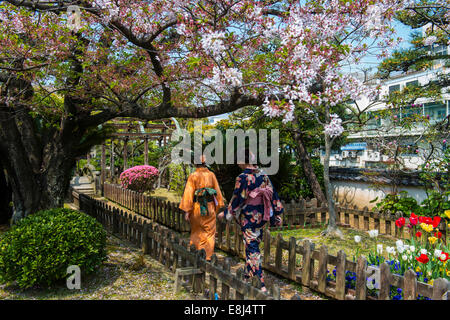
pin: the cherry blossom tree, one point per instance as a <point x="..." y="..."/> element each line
<point x="60" y="82"/>
<point x="321" y="43"/>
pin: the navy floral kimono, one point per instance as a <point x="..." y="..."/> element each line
<point x="251" y="216"/>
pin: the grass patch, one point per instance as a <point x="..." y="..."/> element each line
<point x="164" y="194"/>
<point x="348" y="244"/>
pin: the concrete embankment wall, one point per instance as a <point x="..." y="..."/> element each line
<point x="359" y="186"/>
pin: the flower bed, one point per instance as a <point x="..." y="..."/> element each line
<point x="425" y="253"/>
<point x="394" y="294"/>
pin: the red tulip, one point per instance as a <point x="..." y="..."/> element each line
<point x="427" y="220"/>
<point x="438" y="234"/>
<point x="446" y="256"/>
<point x="400" y="222"/>
<point x="436" y="221"/>
<point x="423" y="258"/>
<point x="413" y="219"/>
<point x="418" y="234"/>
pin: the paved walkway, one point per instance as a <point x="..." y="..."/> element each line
<point x="83" y="185"/>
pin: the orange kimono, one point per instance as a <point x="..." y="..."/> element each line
<point x="203" y="228"/>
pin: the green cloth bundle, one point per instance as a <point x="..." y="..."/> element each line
<point x="203" y="196"/>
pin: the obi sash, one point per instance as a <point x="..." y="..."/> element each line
<point x="203" y="196"/>
<point x="260" y="196"/>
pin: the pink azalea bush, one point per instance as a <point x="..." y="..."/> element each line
<point x="139" y="178"/>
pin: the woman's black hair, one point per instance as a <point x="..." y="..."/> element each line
<point x="247" y="156"/>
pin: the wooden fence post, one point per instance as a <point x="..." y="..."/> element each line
<point x="356" y="220"/>
<point x="292" y="258"/>
<point x="198" y="282"/>
<point x="240" y="276"/>
<point x="168" y="239"/>
<point x="410" y="285"/>
<point x="115" y="218"/>
<point x="340" y="275"/>
<point x="275" y="292"/>
<point x="212" y="279"/>
<point x="155" y="241"/>
<point x="440" y="286"/>
<point x="385" y="282"/>
<point x="361" y="283"/>
<point x="162" y="247"/>
<point x="278" y="251"/>
<point x="306" y="265"/>
<point x="145" y="248"/>
<point x="226" y="288"/>
<point x="183" y="258"/>
<point x="323" y="263"/>
<point x="176" y="240"/>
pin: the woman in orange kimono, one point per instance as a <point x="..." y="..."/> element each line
<point x="201" y="201"/>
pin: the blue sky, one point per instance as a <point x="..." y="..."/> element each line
<point x="404" y="32"/>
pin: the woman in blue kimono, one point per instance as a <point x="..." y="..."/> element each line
<point x="254" y="202"/>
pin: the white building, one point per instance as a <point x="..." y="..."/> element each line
<point x="362" y="151"/>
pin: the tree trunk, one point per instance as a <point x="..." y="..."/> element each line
<point x="5" y="198"/>
<point x="308" y="169"/>
<point x="41" y="190"/>
<point x="332" y="229"/>
<point x="38" y="164"/>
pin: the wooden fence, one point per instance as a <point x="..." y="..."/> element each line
<point x="166" y="246"/>
<point x="302" y="263"/>
<point x="309" y="213"/>
<point x="163" y="212"/>
<point x="296" y="213"/>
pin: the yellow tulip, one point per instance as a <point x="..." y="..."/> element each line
<point x="447" y="213"/>
<point x="418" y="269"/>
<point x="432" y="240"/>
<point x="431" y="282"/>
<point x="426" y="227"/>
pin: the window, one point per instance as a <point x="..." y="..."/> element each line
<point x="440" y="50"/>
<point x="374" y="121"/>
<point x="414" y="83"/>
<point x="410" y="112"/>
<point x="436" y="111"/>
<point x="394" y="88"/>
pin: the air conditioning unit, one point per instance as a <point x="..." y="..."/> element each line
<point x="345" y="154"/>
<point x="373" y="156"/>
<point x="376" y="156"/>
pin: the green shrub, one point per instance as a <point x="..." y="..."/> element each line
<point x="178" y="176"/>
<point x="39" y="248"/>
<point x="397" y="202"/>
<point x="290" y="180"/>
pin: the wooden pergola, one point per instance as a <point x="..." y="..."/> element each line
<point x="161" y="132"/>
